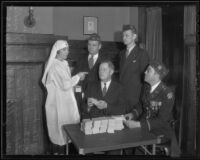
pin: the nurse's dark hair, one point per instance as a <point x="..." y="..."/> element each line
<point x="110" y="64"/>
<point x="58" y="51"/>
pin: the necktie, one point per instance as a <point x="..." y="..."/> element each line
<point x="127" y="53"/>
<point x="91" y="61"/>
<point x="104" y="89"/>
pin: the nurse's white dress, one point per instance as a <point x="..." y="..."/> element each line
<point x="61" y="106"/>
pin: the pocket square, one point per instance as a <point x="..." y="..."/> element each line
<point x="134" y="61"/>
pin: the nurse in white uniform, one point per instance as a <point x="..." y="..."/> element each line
<point x="61" y="106"/>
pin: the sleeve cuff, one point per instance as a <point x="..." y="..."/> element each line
<point x="145" y="125"/>
<point x="149" y="126"/>
<point x="135" y="114"/>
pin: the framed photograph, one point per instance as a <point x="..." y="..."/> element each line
<point x="90" y="25"/>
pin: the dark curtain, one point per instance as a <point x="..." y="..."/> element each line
<point x="198" y="103"/>
<point x="154" y="32"/>
<point x="142" y="26"/>
<point x="187" y="136"/>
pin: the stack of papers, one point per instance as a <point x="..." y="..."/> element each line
<point x="111" y="126"/>
<point x="102" y="125"/>
<point x="96" y="126"/>
<point x="118" y="122"/>
<point x="86" y="126"/>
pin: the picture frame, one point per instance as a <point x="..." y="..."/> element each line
<point x="90" y="25"/>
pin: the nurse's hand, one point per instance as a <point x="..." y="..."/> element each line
<point x="82" y="75"/>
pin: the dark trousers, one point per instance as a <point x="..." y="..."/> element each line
<point x="129" y="151"/>
<point x="57" y="149"/>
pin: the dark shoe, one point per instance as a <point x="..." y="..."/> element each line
<point x="129" y="151"/>
<point x="62" y="150"/>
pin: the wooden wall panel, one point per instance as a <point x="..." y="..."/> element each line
<point x="28" y="53"/>
<point x="28" y="38"/>
<point x="27" y="130"/>
<point x="25" y="55"/>
<point x="78" y="49"/>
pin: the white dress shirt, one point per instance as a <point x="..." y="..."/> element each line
<point x="154" y="86"/>
<point x="130" y="49"/>
<point x="107" y="85"/>
<point x="94" y="58"/>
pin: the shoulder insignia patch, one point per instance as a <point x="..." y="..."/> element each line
<point x="170" y="95"/>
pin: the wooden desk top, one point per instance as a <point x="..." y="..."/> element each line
<point x="108" y="141"/>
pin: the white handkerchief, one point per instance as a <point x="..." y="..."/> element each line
<point x="78" y="89"/>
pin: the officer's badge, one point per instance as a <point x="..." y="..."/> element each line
<point x="170" y="95"/>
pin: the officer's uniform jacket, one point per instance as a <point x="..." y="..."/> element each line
<point x="155" y="112"/>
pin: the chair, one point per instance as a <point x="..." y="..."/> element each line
<point x="164" y="148"/>
<point x="160" y="149"/>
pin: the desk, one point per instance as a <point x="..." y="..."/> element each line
<point x="108" y="141"/>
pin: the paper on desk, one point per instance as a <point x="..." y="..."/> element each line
<point x="102" y="124"/>
<point x="119" y="117"/>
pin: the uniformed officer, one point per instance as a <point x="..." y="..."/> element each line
<point x="154" y="111"/>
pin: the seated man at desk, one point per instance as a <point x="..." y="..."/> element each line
<point x="104" y="97"/>
<point x="154" y="111"/>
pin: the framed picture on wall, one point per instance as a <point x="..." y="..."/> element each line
<point x="90" y="25"/>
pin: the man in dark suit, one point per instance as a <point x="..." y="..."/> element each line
<point x="133" y="62"/>
<point x="91" y="62"/>
<point x="154" y="111"/>
<point x="104" y="97"/>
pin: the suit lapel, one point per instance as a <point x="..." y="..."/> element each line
<point x="123" y="59"/>
<point x="132" y="56"/>
<point x="99" y="90"/>
<point x="109" y="89"/>
<point x="156" y="92"/>
<point x="96" y="63"/>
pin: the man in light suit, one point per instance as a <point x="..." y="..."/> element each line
<point x="133" y="62"/>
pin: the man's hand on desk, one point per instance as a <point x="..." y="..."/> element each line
<point x="132" y="124"/>
<point x="128" y="116"/>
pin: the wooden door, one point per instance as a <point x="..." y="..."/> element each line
<point x="25" y="114"/>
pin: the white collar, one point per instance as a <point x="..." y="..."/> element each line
<point x="107" y="84"/>
<point x="154" y="86"/>
<point x="129" y="49"/>
<point x="94" y="57"/>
